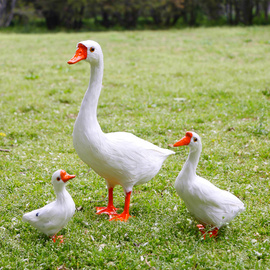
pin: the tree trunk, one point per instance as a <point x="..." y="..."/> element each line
<point x="237" y="12"/>
<point x="175" y="19"/>
<point x="247" y="7"/>
<point x="156" y="16"/>
<point x="105" y="19"/>
<point x="52" y="19"/>
<point x="6" y="12"/>
<point x="265" y="9"/>
<point x="192" y="11"/>
<point x="257" y="8"/>
<point x="192" y="18"/>
<point x="229" y="11"/>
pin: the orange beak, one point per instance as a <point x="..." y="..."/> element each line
<point x="185" y="140"/>
<point x="81" y="54"/>
<point x="65" y="176"/>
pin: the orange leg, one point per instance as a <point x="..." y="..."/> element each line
<point x="125" y="215"/>
<point x="212" y="233"/>
<point x="202" y="230"/>
<point x="59" y="237"/>
<point x="110" y="209"/>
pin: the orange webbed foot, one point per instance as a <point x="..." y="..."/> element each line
<point x="212" y="233"/>
<point x="59" y="237"/>
<point x="109" y="210"/>
<point x="121" y="217"/>
<point x="201" y="229"/>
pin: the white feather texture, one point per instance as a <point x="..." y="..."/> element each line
<point x="51" y="218"/>
<point x="120" y="158"/>
<point x="206" y="202"/>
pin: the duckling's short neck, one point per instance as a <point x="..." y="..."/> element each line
<point x="61" y="194"/>
<point x="193" y="157"/>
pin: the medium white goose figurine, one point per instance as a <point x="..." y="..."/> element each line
<point x="206" y="202"/>
<point x="51" y="218"/>
<point x="120" y="158"/>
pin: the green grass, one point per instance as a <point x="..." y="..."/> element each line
<point x="157" y="85"/>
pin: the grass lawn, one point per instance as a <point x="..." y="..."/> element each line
<point x="157" y="85"/>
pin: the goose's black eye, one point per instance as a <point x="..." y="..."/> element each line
<point x="58" y="178"/>
<point x="195" y="139"/>
<point x="92" y="49"/>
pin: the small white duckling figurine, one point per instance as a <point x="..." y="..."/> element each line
<point x="51" y="218"/>
<point x="206" y="202"/>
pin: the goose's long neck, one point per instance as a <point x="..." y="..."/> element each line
<point x="88" y="111"/>
<point x="188" y="171"/>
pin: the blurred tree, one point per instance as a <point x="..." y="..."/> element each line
<point x="117" y="12"/>
<point x="51" y="10"/>
<point x="106" y="12"/>
<point x="130" y="12"/>
<point x="6" y="12"/>
<point x="127" y="13"/>
<point x="237" y="11"/>
<point x="67" y="13"/>
<point x="165" y="12"/>
<point x="154" y="10"/>
<point x="241" y="11"/>
<point x="247" y="11"/>
<point x="266" y="4"/>
<point x="74" y="13"/>
<point x="213" y="9"/>
<point x="232" y="11"/>
<point x="190" y="11"/>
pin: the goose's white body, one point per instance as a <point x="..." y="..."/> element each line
<point x="121" y="158"/>
<point x="206" y="202"/>
<point x="51" y="218"/>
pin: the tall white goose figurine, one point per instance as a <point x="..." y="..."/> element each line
<point x="51" y="218"/>
<point x="120" y="158"/>
<point x="206" y="202"/>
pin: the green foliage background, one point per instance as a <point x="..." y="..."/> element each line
<point x="33" y="15"/>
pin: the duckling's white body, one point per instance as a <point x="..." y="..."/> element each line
<point x="209" y="204"/>
<point x="51" y="218"/>
<point x="120" y="158"/>
<point x="206" y="202"/>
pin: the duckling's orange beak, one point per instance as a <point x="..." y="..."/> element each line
<point x="65" y="176"/>
<point x="81" y="54"/>
<point x="185" y="140"/>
